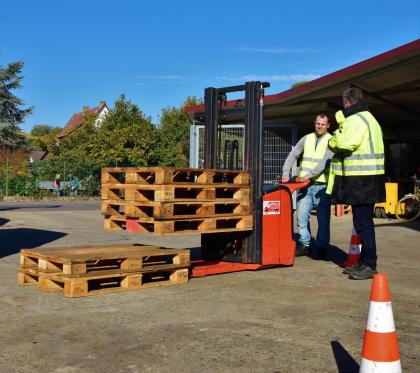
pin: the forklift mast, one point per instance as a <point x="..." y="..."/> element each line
<point x="241" y="247"/>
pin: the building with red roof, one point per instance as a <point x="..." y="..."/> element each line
<point x="390" y="82"/>
<point x="78" y="119"/>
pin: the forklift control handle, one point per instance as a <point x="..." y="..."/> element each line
<point x="292" y="185"/>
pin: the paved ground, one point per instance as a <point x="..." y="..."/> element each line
<point x="306" y="318"/>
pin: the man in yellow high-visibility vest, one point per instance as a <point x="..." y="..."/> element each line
<point x="314" y="166"/>
<point x="357" y="176"/>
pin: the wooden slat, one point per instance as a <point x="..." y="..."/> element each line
<point x="178" y="193"/>
<point x="175" y="210"/>
<point x="77" y="262"/>
<point x="73" y="254"/>
<point x="166" y="175"/>
<point x="184" y="226"/>
<point x="109" y="283"/>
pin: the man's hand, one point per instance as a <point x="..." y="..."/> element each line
<point x="302" y="179"/>
<point x="285" y="179"/>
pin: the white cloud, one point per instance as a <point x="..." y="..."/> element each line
<point x="161" y="77"/>
<point x="274" y="50"/>
<point x="136" y="84"/>
<point x="271" y="78"/>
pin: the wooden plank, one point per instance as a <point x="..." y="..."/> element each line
<point x="72" y="254"/>
<point x="183" y="226"/>
<point x="27" y="277"/>
<point x="170" y="175"/>
<point x="86" y="262"/>
<point x="87" y="286"/>
<point x="179" y="193"/>
<point x="175" y="210"/>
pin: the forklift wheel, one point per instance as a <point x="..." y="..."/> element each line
<point x="215" y="246"/>
<point x="384" y="214"/>
<point x="380" y="213"/>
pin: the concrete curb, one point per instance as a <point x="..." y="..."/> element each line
<point x="34" y="199"/>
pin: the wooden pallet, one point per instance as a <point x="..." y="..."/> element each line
<point x="175" y="210"/>
<point x="202" y="192"/>
<point x="165" y="175"/>
<point x="108" y="282"/>
<point x="178" y="226"/>
<point x="96" y="270"/>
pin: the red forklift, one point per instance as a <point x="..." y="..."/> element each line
<point x="271" y="241"/>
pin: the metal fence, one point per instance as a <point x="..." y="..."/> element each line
<point x="278" y="142"/>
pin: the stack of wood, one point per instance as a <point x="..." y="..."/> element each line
<point x="82" y="271"/>
<point x="164" y="200"/>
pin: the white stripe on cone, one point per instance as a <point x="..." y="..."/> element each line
<point x="355" y="249"/>
<point x="368" y="366"/>
<point x="380" y="318"/>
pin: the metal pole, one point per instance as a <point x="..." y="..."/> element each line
<point x="7" y="176"/>
<point x="64" y="177"/>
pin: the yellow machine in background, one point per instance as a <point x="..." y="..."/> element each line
<point x="387" y="209"/>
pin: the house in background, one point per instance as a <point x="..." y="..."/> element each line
<point x="78" y="119"/>
<point x="38" y="155"/>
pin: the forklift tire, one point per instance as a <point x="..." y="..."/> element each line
<point x="378" y="212"/>
<point x="384" y="214"/>
<point x="214" y="246"/>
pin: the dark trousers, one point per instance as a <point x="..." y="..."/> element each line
<point x="363" y="224"/>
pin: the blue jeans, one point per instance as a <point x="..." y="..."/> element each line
<point x="314" y="196"/>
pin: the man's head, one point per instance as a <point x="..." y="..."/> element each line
<point x="321" y="123"/>
<point x="70" y="176"/>
<point x="352" y="96"/>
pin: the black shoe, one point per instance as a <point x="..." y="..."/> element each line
<point x="318" y="253"/>
<point x="354" y="267"/>
<point x="364" y="272"/>
<point x="302" y="250"/>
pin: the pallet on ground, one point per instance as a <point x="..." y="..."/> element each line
<point x="178" y="226"/>
<point x="185" y="192"/>
<point x="165" y="175"/>
<point x="74" y="262"/>
<point x="109" y="281"/>
<point x="175" y="210"/>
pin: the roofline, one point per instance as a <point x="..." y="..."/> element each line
<point x="357" y="67"/>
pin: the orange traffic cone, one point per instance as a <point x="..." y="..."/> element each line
<point x="380" y="346"/>
<point x="355" y="248"/>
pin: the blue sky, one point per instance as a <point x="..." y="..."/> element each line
<point x="157" y="53"/>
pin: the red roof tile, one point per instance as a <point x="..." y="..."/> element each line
<point x="78" y="119"/>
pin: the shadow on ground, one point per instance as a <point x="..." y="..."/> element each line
<point x="13" y="240"/>
<point x="411" y="225"/>
<point x="3" y="221"/>
<point x="29" y="207"/>
<point x="345" y="362"/>
<point x="336" y="255"/>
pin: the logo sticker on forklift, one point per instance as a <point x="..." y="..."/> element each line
<point x="271" y="207"/>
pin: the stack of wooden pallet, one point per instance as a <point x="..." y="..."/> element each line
<point x="176" y="200"/>
<point x="82" y="271"/>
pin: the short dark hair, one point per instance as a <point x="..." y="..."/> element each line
<point x="353" y="95"/>
<point x="322" y="116"/>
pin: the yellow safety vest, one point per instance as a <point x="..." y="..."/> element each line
<point x="314" y="155"/>
<point x="359" y="147"/>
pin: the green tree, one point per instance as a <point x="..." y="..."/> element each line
<point x="125" y="137"/>
<point x="297" y="84"/>
<point x="11" y="112"/>
<point x="44" y="129"/>
<point x="174" y="135"/>
<point x="43" y="136"/>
